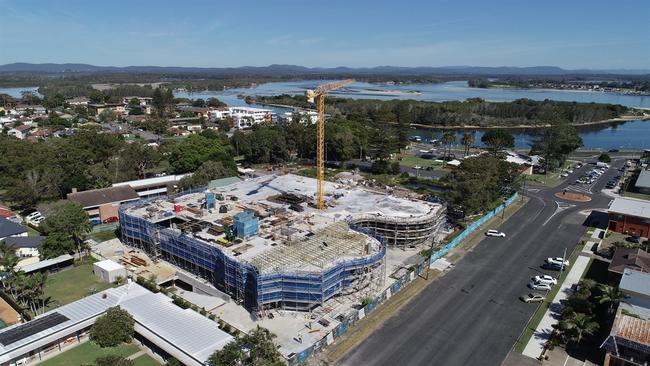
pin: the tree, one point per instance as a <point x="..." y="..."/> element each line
<point x="448" y="139"/>
<point x="610" y="295"/>
<point x="69" y="218"/>
<point x="106" y="116"/>
<point x="556" y="143"/>
<point x="187" y="155"/>
<point x="573" y="328"/>
<point x="96" y="97"/>
<point x="134" y="102"/>
<point x="137" y="157"/>
<point x="56" y="244"/>
<point x="403" y="115"/>
<point x="199" y="103"/>
<point x="255" y="349"/>
<point x="208" y="171"/>
<point x="162" y="101"/>
<point x="113" y="328"/>
<point x="112" y="360"/>
<point x="604" y="158"/>
<point x="214" y="102"/>
<point x="497" y="140"/>
<point x="468" y="139"/>
<point x="480" y="183"/>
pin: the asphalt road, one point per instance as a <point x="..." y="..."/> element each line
<point x="472" y="315"/>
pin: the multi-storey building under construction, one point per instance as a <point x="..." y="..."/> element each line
<point x="264" y="243"/>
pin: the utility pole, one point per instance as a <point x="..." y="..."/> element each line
<point x="563" y="261"/>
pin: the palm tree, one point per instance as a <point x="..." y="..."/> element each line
<point x="611" y="295"/>
<point x="448" y="139"/>
<point x="467" y="140"/>
<point x="575" y="327"/>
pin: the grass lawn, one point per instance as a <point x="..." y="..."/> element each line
<point x="411" y="161"/>
<point x="32" y="232"/>
<point x="86" y="353"/>
<point x="541" y="310"/>
<point x="552" y="179"/>
<point x="73" y="284"/>
<point x="101" y="236"/>
<point x="145" y="360"/>
<point x="637" y="195"/>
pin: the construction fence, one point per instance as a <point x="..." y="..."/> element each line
<point x="395" y="287"/>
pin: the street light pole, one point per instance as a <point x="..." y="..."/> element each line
<point x="563" y="261"/>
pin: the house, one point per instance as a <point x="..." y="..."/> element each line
<point x="246" y="117"/>
<point x="305" y="117"/>
<point x="628" y="342"/>
<point x="630" y="217"/>
<point x="142" y="101"/>
<point x="628" y="258"/>
<point x="161" y="327"/>
<point x="97" y="109"/>
<point x="9" y="228"/>
<point x="197" y="111"/>
<point x="25" y="246"/>
<point x="78" y="101"/>
<point x="643" y="181"/>
<point x="102" y="204"/>
<point x="20" y="132"/>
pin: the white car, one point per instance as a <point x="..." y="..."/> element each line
<point x="417" y="167"/>
<point x="564" y="175"/>
<point x="570" y="171"/>
<point x="545" y="279"/>
<point x="495" y="233"/>
<point x="557" y="261"/>
<point x="532" y="298"/>
<point x="539" y="286"/>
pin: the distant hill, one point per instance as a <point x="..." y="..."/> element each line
<point x="274" y="70"/>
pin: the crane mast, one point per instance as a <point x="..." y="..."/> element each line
<point x="318" y="96"/>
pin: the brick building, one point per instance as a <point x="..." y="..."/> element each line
<point x="630" y="216"/>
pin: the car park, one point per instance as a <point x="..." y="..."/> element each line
<point x="557" y="261"/>
<point x="532" y="298"/>
<point x="495" y="233"/>
<point x="545" y="279"/>
<point x="539" y="286"/>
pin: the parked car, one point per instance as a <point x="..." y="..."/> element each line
<point x="564" y="175"/>
<point x="545" y="279"/>
<point x="532" y="298"/>
<point x="557" y="261"/>
<point x="110" y="220"/>
<point x="539" y="286"/>
<point x="495" y="233"/>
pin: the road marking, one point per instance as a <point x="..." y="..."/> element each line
<point x="561" y="206"/>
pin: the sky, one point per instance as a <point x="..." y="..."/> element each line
<point x="572" y="34"/>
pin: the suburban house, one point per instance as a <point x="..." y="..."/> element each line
<point x="630" y="217"/>
<point x="97" y="109"/>
<point x="197" y="111"/>
<point x="25" y="246"/>
<point x="8" y="214"/>
<point x="20" y="132"/>
<point x="628" y="258"/>
<point x="9" y="228"/>
<point x="78" y="101"/>
<point x="628" y="342"/>
<point x="643" y="181"/>
<point x="163" y="328"/>
<point x="102" y="204"/>
<point x="142" y="101"/>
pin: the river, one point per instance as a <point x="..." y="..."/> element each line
<point x="629" y="135"/>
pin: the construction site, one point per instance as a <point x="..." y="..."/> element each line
<point x="265" y="243"/>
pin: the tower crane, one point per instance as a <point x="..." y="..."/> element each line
<point x="319" y="96"/>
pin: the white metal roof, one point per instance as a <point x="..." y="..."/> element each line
<point x="185" y="330"/>
<point x="45" y="263"/>
<point x="632" y="207"/>
<point x="185" y="334"/>
<point x="636" y="282"/>
<point x="109" y="265"/>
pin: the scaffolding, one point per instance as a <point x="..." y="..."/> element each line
<point x="297" y="275"/>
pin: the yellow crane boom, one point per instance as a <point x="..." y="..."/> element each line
<point x="318" y="95"/>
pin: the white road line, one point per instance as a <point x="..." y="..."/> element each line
<point x="561" y="206"/>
